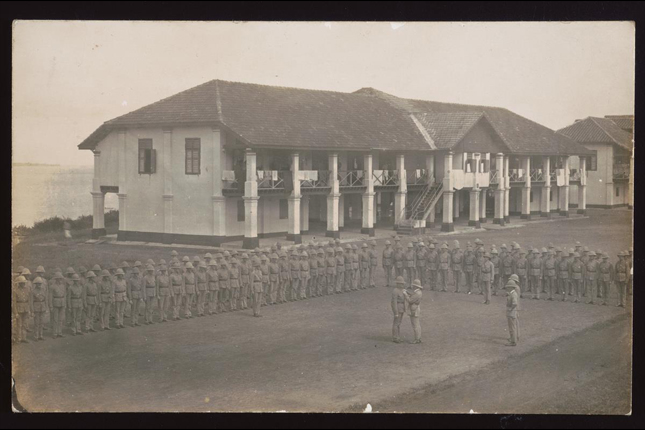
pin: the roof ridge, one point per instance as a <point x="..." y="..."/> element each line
<point x="605" y="131"/>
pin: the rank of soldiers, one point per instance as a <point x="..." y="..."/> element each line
<point x="542" y="273"/>
<point x="212" y="284"/>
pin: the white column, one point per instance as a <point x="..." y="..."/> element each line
<point x="332" y="198"/>
<point x="219" y="201"/>
<point x="304" y="214"/>
<point x="545" y="202"/>
<point x="526" y="190"/>
<point x="368" y="197"/>
<point x="507" y="190"/>
<point x="582" y="188"/>
<point x="98" y="200"/>
<point x="456" y="200"/>
<point x="401" y="193"/>
<point x="293" y="229"/>
<point x="341" y="212"/>
<point x="473" y="221"/>
<point x="251" y="198"/>
<point x="123" y="196"/>
<point x="430" y="166"/>
<point x="564" y="190"/>
<point x="482" y="206"/>
<point x="448" y="192"/>
<point x="499" y="190"/>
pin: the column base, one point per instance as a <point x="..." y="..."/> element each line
<point x="483" y="220"/>
<point x="582" y="211"/>
<point x="430" y="224"/>
<point x="448" y="227"/>
<point x="507" y="219"/>
<point x="564" y="213"/>
<point x="545" y="214"/>
<point x="251" y="242"/>
<point x="526" y="217"/>
<point x="476" y="224"/>
<point x="333" y="234"/>
<point x="499" y="221"/>
<point x="368" y="230"/>
<point x="98" y="232"/>
<point x="295" y="238"/>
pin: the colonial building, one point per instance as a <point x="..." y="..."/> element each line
<point x="226" y="161"/>
<point x="610" y="168"/>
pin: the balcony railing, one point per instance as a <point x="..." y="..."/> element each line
<point x="315" y="179"/>
<point x="494" y="177"/>
<point x="553" y="176"/>
<point x="416" y="176"/>
<point x="351" y="178"/>
<point x="516" y="175"/>
<point x="537" y="175"/>
<point x="229" y="182"/>
<point x="621" y="171"/>
<point x="385" y="178"/>
<point x="271" y="179"/>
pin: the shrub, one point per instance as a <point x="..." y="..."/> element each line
<point x="55" y="223"/>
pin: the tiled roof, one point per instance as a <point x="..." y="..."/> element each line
<point x="521" y="135"/>
<point x="269" y="116"/>
<point x="598" y="130"/>
<point x="447" y="129"/>
<point x="626" y="122"/>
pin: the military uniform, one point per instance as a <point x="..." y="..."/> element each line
<point x="512" y="314"/>
<point x="457" y="266"/>
<point x="163" y="293"/>
<point x="550" y="275"/>
<point x="201" y="279"/>
<point x="365" y="267"/>
<point x="322" y="272"/>
<point x="190" y="288"/>
<point x="508" y="267"/>
<point x="398" y="308"/>
<point x="294" y="267"/>
<point x="478" y="269"/>
<point x="399" y="258"/>
<point x="373" y="264"/>
<point x="577" y="276"/>
<point x="605" y="278"/>
<point x="312" y="287"/>
<point x="120" y="296"/>
<point x="58" y="303"/>
<point x="40" y="305"/>
<point x="495" y="283"/>
<point x="304" y="275"/>
<point x="91" y="300"/>
<point x="535" y="274"/>
<point x="444" y="266"/>
<point x="421" y="261"/>
<point x="388" y="263"/>
<point x="340" y="270"/>
<point x="414" y="309"/>
<point x="356" y="277"/>
<point x="212" y="277"/>
<point x="469" y="268"/>
<point x="285" y="278"/>
<point x="223" y="277"/>
<point x="151" y="292"/>
<point x="349" y="271"/>
<point x="622" y="276"/>
<point x="409" y="270"/>
<point x="591" y="277"/>
<point x="432" y="258"/>
<point x="245" y="281"/>
<point x="258" y="289"/>
<point x="487" y="271"/>
<point x="22" y="306"/>
<point x="177" y="286"/>
<point x="107" y="299"/>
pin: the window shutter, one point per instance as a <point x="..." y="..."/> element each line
<point x="153" y="161"/>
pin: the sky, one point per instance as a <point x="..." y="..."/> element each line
<point x="71" y="76"/>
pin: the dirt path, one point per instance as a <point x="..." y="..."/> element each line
<point x="584" y="373"/>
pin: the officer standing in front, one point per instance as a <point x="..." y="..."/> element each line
<point x="398" y="308"/>
<point x="414" y="308"/>
<point x="512" y="307"/>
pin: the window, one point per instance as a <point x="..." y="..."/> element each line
<point x="617" y="192"/>
<point x="240" y="210"/>
<point x="147" y="157"/>
<point x="193" y="149"/>
<point x="284" y="209"/>
<point x="591" y="162"/>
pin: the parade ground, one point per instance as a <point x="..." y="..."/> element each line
<point x="335" y="353"/>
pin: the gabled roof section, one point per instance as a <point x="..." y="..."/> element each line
<point x="519" y="134"/>
<point x="268" y="116"/>
<point x="598" y="130"/>
<point x="447" y="129"/>
<point x="625" y="122"/>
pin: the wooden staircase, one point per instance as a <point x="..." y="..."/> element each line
<point x="420" y="207"/>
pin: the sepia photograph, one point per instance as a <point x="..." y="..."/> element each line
<point x="322" y="217"/>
